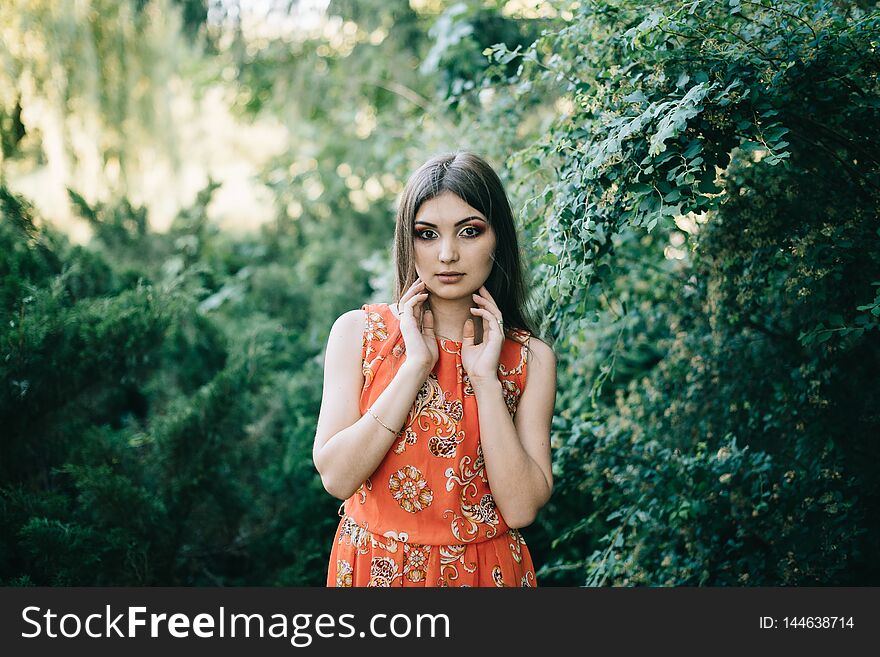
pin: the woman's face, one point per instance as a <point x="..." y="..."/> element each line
<point x="451" y="236"/>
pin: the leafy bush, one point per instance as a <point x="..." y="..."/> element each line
<point x="713" y="212"/>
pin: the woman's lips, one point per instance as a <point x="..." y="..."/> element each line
<point x="450" y="279"/>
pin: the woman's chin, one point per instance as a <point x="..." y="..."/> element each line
<point x="450" y="295"/>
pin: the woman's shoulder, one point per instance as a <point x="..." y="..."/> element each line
<point x="540" y="347"/>
<point x="373" y="320"/>
<point x="349" y="323"/>
<point x="541" y="353"/>
<point x="345" y="339"/>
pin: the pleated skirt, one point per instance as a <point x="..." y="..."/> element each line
<point x="362" y="558"/>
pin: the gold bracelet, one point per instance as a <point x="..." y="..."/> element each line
<point x="370" y="411"/>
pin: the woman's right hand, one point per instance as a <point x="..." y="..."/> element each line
<point x="421" y="343"/>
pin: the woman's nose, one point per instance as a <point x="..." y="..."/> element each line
<point x="447" y="251"/>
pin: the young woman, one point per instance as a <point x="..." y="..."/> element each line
<point x="435" y="419"/>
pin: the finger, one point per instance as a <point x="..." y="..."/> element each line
<point x="428" y="323"/>
<point x="487" y="302"/>
<point x="414" y="285"/>
<point x="412" y="289"/>
<point x="489" y="318"/>
<point x="485" y="292"/>
<point x="467" y="335"/>
<point x="483" y="313"/>
<point x="483" y="301"/>
<point x="408" y="308"/>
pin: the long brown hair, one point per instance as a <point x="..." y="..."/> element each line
<point x="473" y="180"/>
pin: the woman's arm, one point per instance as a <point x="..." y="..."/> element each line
<point x="517" y="451"/>
<point x="348" y="447"/>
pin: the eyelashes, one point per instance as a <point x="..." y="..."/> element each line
<point x="420" y="234"/>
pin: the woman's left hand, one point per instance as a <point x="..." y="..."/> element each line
<point x="481" y="361"/>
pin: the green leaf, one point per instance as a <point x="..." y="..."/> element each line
<point x="773" y="134"/>
<point x="693" y="148"/>
<point x="752" y="146"/>
<point x="635" y="97"/>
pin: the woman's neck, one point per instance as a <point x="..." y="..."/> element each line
<point x="450" y="316"/>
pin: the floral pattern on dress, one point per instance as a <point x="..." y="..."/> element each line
<point x="511" y="393"/>
<point x="353" y="534"/>
<point x="474" y="511"/>
<point x="468" y="390"/>
<point x="451" y="556"/>
<point x="444" y="446"/>
<point x="374" y="329"/>
<point x="523" y="358"/>
<point x="415" y="563"/>
<point x="395" y="562"/>
<point x="432" y="410"/>
<point x="410" y="489"/>
<point x="343" y="573"/>
<point x="516" y="545"/>
<point x="383" y="571"/>
<point x="361" y="492"/>
<point x="497" y="576"/>
<point x="450" y="346"/>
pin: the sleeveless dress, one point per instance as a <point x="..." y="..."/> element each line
<point x="426" y="516"/>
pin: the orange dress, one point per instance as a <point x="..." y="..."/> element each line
<point x="426" y="516"/>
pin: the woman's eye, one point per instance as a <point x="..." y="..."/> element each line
<point x="428" y="234"/>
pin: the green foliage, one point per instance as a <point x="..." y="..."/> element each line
<point x="456" y="56"/>
<point x="728" y="438"/>
<point x="84" y="85"/>
<point x="145" y="440"/>
<point x="661" y="98"/>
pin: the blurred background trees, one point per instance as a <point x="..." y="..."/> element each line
<point x="192" y="191"/>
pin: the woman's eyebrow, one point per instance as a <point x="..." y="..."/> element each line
<point x="457" y="223"/>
